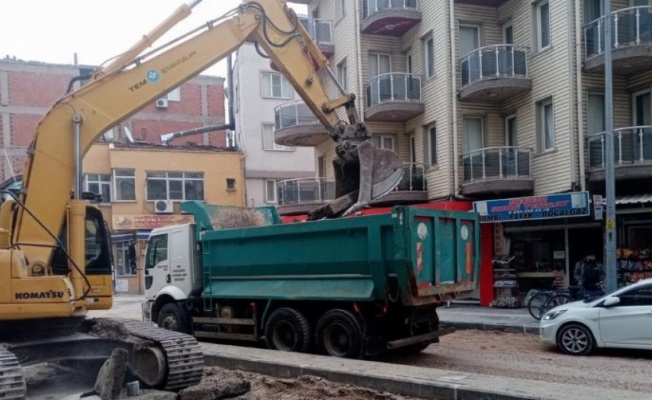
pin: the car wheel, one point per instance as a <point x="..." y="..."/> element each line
<point x="288" y="330"/>
<point x="575" y="339"/>
<point x="173" y="318"/>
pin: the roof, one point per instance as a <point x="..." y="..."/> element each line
<point x="634" y="199"/>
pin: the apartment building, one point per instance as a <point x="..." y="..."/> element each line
<point x="259" y="92"/>
<point x="497" y="100"/>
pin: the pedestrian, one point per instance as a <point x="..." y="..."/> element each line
<point x="589" y="272"/>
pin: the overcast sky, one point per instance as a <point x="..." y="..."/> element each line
<point x="53" y="31"/>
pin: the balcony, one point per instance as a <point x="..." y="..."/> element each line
<point x="321" y="31"/>
<point x="632" y="153"/>
<point x="296" y="125"/>
<point x="496" y="170"/>
<point x="389" y="17"/>
<point x="300" y="196"/>
<point x="394" y="97"/>
<point x="494" y="73"/>
<point x="631" y="41"/>
<point x="486" y="3"/>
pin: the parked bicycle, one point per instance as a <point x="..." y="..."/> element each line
<point x="539" y="302"/>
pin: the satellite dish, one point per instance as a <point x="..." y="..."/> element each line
<point x="128" y="134"/>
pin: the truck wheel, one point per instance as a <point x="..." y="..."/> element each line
<point x="173" y="318"/>
<point x="340" y="334"/>
<point x="288" y="330"/>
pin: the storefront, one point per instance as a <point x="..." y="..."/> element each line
<point x="634" y="227"/>
<point x="536" y="242"/>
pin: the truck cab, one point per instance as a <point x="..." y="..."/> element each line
<point x="172" y="276"/>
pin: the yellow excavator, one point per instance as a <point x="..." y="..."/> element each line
<point x="55" y="255"/>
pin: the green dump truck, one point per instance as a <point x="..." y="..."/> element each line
<point x="349" y="287"/>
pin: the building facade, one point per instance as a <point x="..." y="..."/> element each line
<point x="504" y="99"/>
<point x="259" y="91"/>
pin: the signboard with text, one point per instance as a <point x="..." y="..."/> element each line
<point x="149" y="221"/>
<point x="562" y="205"/>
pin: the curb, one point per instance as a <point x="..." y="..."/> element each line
<point x="528" y="329"/>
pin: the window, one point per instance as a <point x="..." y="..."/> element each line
<point x="321" y="167"/>
<point x="340" y="8"/>
<point x="157" y="251"/>
<point x="342" y="75"/>
<point x="543" y="24"/>
<point x="642" y="108"/>
<point x="175" y="186"/>
<point x="379" y="64"/>
<point x="174" y="95"/>
<point x="124" y="182"/>
<point x="510" y="131"/>
<point x="230" y="184"/>
<point x="275" y="86"/>
<point x="99" y="184"/>
<point x="428" y="51"/>
<point x="473" y="133"/>
<point x="592" y="10"/>
<point x="413" y="149"/>
<point x="545" y="117"/>
<point x="469" y="39"/>
<point x="271" y="191"/>
<point x="409" y="66"/>
<point x="637" y="297"/>
<point x="430" y="141"/>
<point x="595" y="117"/>
<point x="508" y="33"/>
<point x="268" y="140"/>
<point x="383" y="142"/>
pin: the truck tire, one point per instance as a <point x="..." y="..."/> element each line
<point x="340" y="334"/>
<point x="288" y="330"/>
<point x="173" y="318"/>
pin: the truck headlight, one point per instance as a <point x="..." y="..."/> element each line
<point x="554" y="314"/>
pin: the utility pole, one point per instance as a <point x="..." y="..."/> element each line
<point x="609" y="176"/>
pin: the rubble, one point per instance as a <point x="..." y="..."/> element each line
<point x="109" y="382"/>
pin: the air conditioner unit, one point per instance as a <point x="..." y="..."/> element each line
<point x="163" y="206"/>
<point x="162" y="103"/>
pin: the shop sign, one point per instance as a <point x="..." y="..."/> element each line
<point x="149" y="221"/>
<point x="531" y="208"/>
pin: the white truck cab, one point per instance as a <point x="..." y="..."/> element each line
<point x="172" y="276"/>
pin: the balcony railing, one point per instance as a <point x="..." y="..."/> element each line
<point x="632" y="146"/>
<point x="394" y="87"/>
<point x="496" y="61"/>
<point x="629" y="26"/>
<point x="506" y="162"/>
<point x="294" y="113"/>
<point x="305" y="191"/>
<point x="370" y="7"/>
<point x="320" y="30"/>
<point x="413" y="180"/>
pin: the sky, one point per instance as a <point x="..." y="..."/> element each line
<point x="52" y="31"/>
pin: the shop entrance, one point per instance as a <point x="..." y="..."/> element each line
<point x="580" y="241"/>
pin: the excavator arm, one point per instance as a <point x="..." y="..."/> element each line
<point x="133" y="81"/>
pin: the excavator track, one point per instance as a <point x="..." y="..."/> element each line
<point x="12" y="382"/>
<point x="184" y="357"/>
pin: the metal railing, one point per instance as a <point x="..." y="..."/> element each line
<point x="305" y="191"/>
<point x="630" y="26"/>
<point x="370" y="7"/>
<point x="414" y="179"/>
<point x="632" y="146"/>
<point x="321" y="190"/>
<point x="505" y="162"/>
<point x="293" y="113"/>
<point x="320" y="30"/>
<point x="495" y="61"/>
<point x="395" y="86"/>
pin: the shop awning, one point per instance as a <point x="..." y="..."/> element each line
<point x="635" y="199"/>
<point x="141" y="234"/>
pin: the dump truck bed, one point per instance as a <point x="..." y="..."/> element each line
<point x="425" y="256"/>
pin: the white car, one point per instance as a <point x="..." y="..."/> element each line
<point x="622" y="319"/>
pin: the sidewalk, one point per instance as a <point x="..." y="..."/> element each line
<point x="486" y="318"/>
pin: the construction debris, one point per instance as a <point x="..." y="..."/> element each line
<point x="108" y="384"/>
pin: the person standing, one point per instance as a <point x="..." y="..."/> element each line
<point x="589" y="272"/>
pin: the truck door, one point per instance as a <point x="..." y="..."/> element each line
<point x="157" y="266"/>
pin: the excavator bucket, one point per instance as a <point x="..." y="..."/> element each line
<point x="361" y="176"/>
